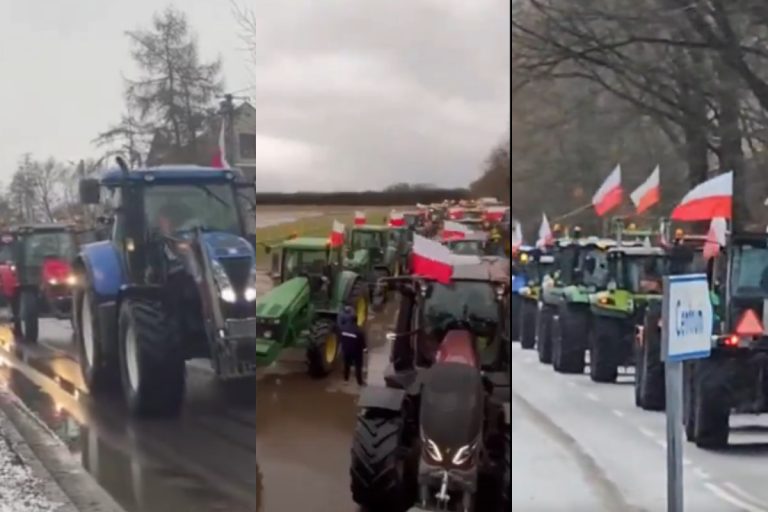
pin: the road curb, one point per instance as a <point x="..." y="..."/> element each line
<point x="65" y="480"/>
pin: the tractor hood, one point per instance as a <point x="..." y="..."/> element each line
<point x="281" y="299"/>
<point x="222" y="246"/>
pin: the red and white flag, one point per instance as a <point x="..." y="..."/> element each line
<point x="715" y="238"/>
<point x="219" y="159"/>
<point x="453" y="230"/>
<point x="517" y="236"/>
<point x="431" y="259"/>
<point x="647" y="194"/>
<point x="608" y="196"/>
<point x="456" y="213"/>
<point x="359" y="218"/>
<point x="495" y="213"/>
<point x="713" y="198"/>
<point x="545" y="233"/>
<point x="337" y="234"/>
<point x="396" y="219"/>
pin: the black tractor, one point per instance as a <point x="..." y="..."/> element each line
<point x="436" y="436"/>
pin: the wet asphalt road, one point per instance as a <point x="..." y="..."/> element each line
<point x="203" y="461"/>
<point x="304" y="428"/>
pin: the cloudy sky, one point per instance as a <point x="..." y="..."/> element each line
<point x="352" y="94"/>
<point x="62" y="64"/>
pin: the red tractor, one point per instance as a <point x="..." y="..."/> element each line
<point x="8" y="280"/>
<point x="44" y="280"/>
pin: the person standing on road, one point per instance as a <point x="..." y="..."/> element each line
<point x="353" y="344"/>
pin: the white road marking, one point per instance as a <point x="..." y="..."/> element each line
<point x="646" y="432"/>
<point x="687" y="462"/>
<point x="571" y="383"/>
<point x="593" y="397"/>
<point x="618" y="413"/>
<point x="744" y="494"/>
<point x="733" y="500"/>
<point x="661" y="443"/>
<point x="701" y="473"/>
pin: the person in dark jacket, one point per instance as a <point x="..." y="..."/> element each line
<point x="353" y="344"/>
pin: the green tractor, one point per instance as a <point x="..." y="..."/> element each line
<point x="635" y="282"/>
<point x="564" y="313"/>
<point x="301" y="311"/>
<point x="372" y="252"/>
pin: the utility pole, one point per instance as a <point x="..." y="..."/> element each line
<point x="228" y="117"/>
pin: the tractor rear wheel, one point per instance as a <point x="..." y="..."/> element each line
<point x="527" y="324"/>
<point x="323" y="349"/>
<point x="569" y="326"/>
<point x="604" y="335"/>
<point x="29" y="316"/>
<point x="151" y="359"/>
<point x="380" y="468"/>
<point x="711" y="408"/>
<point x="544" y="334"/>
<point x="100" y="371"/>
<point x="649" y="369"/>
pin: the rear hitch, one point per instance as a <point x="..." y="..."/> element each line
<point x="442" y="496"/>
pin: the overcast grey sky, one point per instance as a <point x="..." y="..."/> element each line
<point x="353" y="94"/>
<point x="61" y="64"/>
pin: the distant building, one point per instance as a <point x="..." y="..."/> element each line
<point x="161" y="152"/>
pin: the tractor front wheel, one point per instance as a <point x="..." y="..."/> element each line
<point x="604" y="335"/>
<point x="568" y="348"/>
<point x="544" y="334"/>
<point x="379" y="294"/>
<point x="29" y="316"/>
<point x="323" y="349"/>
<point x="527" y="324"/>
<point x="151" y="359"/>
<point x="649" y="369"/>
<point x="380" y="467"/>
<point x="99" y="371"/>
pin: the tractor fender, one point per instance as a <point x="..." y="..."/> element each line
<point x="101" y="262"/>
<point x="381" y="398"/>
<point x="344" y="284"/>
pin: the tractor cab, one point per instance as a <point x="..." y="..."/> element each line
<point x="374" y="244"/>
<point x="310" y="257"/>
<point x="8" y="280"/>
<point x="473" y="244"/>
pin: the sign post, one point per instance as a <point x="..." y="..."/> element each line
<point x="686" y="333"/>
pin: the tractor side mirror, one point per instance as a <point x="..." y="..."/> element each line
<point x="89" y="191"/>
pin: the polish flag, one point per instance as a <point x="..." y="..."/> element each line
<point x="517" y="236"/>
<point x="608" y="196"/>
<point x="453" y="230"/>
<point x="359" y="218"/>
<point x="431" y="259"/>
<point x="219" y="159"/>
<point x="647" y="194"/>
<point x="337" y="234"/>
<point x="456" y="213"/>
<point x="396" y="219"/>
<point x="545" y="233"/>
<point x="715" y="238"/>
<point x="708" y="200"/>
<point x="495" y="213"/>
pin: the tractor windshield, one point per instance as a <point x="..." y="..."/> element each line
<point x="750" y="272"/>
<point x="412" y="220"/>
<point x="175" y="208"/>
<point x="53" y="244"/>
<point x="470" y="247"/>
<point x="368" y="239"/>
<point x="471" y="301"/>
<point x="566" y="259"/>
<point x="642" y="274"/>
<point x="303" y="261"/>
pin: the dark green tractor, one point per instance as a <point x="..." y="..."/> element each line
<point x="635" y="282"/>
<point x="312" y="286"/>
<point x="564" y="314"/>
<point x="373" y="254"/>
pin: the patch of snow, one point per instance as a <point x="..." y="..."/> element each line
<point x="20" y="489"/>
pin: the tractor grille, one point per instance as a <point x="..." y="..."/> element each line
<point x="242" y="328"/>
<point x="262" y="330"/>
<point x="238" y="270"/>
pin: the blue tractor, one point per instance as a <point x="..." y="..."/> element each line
<point x="175" y="280"/>
<point x="519" y="281"/>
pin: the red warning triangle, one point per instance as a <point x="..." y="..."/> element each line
<point x="750" y="324"/>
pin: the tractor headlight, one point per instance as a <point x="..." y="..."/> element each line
<point x="250" y="294"/>
<point x="433" y="451"/>
<point x="250" y="289"/>
<point x="228" y="295"/>
<point x="463" y="454"/>
<point x="53" y="281"/>
<point x="72" y="280"/>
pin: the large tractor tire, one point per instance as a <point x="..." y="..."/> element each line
<point x="323" y="349"/>
<point x="380" y="470"/>
<point x="379" y="296"/>
<point x="649" y="369"/>
<point x="358" y="299"/>
<point x="516" y="306"/>
<point x="569" y="327"/>
<point x="710" y="405"/>
<point x="29" y="316"/>
<point x="527" y="324"/>
<point x="151" y="359"/>
<point x="99" y="368"/>
<point x="544" y="334"/>
<point x="604" y="336"/>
